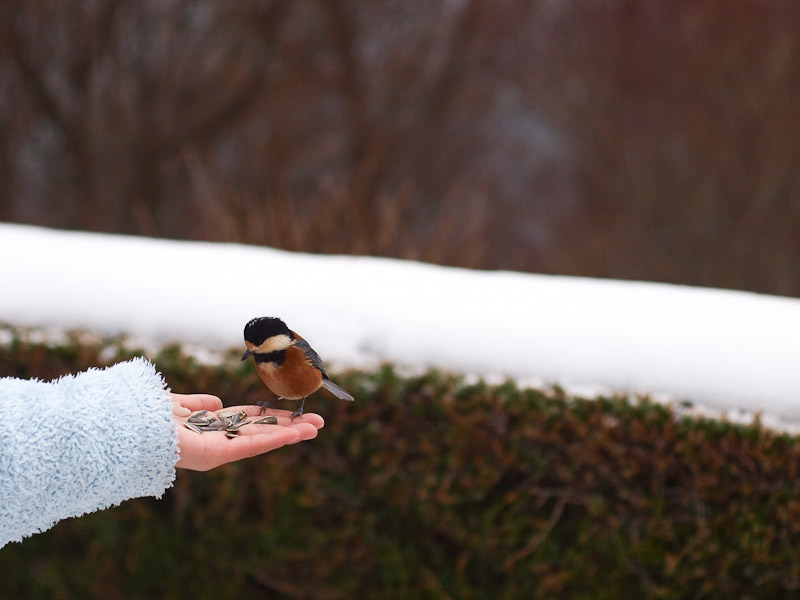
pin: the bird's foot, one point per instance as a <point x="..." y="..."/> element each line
<point x="264" y="405"/>
<point x="299" y="411"/>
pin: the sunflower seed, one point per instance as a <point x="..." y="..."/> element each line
<point x="267" y="421"/>
<point x="216" y="426"/>
<point x="201" y="420"/>
<point x="231" y="434"/>
<point x="237" y="426"/>
<point x="193" y="427"/>
<point x="238" y="417"/>
<point x="199" y="414"/>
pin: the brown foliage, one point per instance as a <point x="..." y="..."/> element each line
<point x="626" y="139"/>
<point x="683" y="116"/>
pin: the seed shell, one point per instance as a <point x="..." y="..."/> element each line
<point x="192" y="426"/>
<point x="237" y="426"/>
<point x="238" y="417"/>
<point x="201" y="420"/>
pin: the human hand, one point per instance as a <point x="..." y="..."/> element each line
<point x="201" y="452"/>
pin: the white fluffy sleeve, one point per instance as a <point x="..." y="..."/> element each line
<point x="82" y="443"/>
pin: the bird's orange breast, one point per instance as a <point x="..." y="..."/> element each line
<point x="295" y="378"/>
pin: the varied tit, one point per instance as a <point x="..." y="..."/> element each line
<point x="286" y="363"/>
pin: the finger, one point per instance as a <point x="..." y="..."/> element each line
<point x="247" y="445"/>
<point x="180" y="411"/>
<point x="284" y="416"/>
<point x="305" y="431"/>
<point x="196" y="402"/>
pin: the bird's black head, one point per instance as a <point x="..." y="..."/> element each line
<point x="258" y="330"/>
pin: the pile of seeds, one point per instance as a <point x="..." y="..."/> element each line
<point x="228" y="421"/>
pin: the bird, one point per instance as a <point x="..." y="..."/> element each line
<point x="286" y="363"/>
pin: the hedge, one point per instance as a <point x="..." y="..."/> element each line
<point x="430" y="487"/>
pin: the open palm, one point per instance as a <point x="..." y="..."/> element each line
<point x="204" y="451"/>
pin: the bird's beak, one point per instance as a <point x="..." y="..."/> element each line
<point x="247" y="354"/>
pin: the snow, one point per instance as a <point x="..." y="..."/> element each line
<point x="726" y="350"/>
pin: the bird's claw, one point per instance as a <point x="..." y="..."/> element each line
<point x="299" y="411"/>
<point x="264" y="405"/>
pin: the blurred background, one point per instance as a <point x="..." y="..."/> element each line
<point x="636" y="139"/>
<point x="633" y="139"/>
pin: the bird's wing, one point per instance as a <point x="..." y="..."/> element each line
<point x="311" y="354"/>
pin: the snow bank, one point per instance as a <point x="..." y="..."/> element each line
<point x="727" y="350"/>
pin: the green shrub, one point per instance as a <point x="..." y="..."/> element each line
<point x="427" y="487"/>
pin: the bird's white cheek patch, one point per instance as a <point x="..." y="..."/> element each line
<point x="273" y="344"/>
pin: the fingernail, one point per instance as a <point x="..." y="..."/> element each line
<point x="181" y="411"/>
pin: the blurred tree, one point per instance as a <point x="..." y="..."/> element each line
<point x="682" y="117"/>
<point x="649" y="140"/>
<point x="112" y="91"/>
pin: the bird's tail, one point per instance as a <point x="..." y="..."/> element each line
<point x="336" y="390"/>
